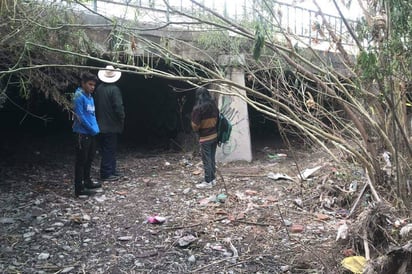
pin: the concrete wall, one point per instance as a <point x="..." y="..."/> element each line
<point x="235" y="109"/>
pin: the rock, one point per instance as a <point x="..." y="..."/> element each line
<point x="86" y="217"/>
<point x="284" y="268"/>
<point x="43" y="256"/>
<point x="186" y="240"/>
<point x="6" y="220"/>
<point x="192" y="259"/>
<point x="66" y="248"/>
<point x="29" y="234"/>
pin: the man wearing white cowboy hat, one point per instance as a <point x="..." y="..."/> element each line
<point x="110" y="117"/>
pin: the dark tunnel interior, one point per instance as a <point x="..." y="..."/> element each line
<point x="157" y="110"/>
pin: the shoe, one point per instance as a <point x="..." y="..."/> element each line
<point x="118" y="174"/>
<point x="83" y="192"/>
<point x="110" y="178"/>
<point x="204" y="185"/>
<point x="92" y="185"/>
<point x="213" y="182"/>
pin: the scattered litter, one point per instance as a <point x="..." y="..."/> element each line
<point x="235" y="253"/>
<point x="296" y="228"/>
<point x="276" y="156"/>
<point x="220" y="198"/>
<point x="167" y="164"/>
<point x="186" y="190"/>
<point x="279" y="176"/>
<point x="322" y="217"/>
<point x="387" y="158"/>
<point x="343" y="231"/>
<point x="197" y="172"/>
<point x="207" y="200"/>
<point x="121" y="192"/>
<point x="298" y="202"/>
<point x="309" y="172"/>
<point x="186" y="240"/>
<point x="100" y="199"/>
<point x="125" y="238"/>
<point x="356" y="264"/>
<point x="218" y="247"/>
<point x="284" y="268"/>
<point x="287" y="222"/>
<point x="192" y="259"/>
<point x="251" y="192"/>
<point x="156" y="219"/>
<point x="353" y="186"/>
<point x="348" y="252"/>
<point x="406" y="230"/>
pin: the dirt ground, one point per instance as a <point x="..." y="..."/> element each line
<point x="248" y="223"/>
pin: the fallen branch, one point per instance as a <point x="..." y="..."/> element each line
<point x="373" y="190"/>
<point x="355" y="205"/>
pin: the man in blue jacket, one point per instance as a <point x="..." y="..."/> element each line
<point x="110" y="116"/>
<point x="85" y="128"/>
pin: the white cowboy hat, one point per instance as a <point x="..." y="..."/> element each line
<point x="109" y="75"/>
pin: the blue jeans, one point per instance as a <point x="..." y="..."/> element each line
<point x="208" y="158"/>
<point x="108" y="147"/>
<point x="85" y="151"/>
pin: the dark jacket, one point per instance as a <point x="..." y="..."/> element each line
<point x="109" y="108"/>
<point x="204" y="121"/>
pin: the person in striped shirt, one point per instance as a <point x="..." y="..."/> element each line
<point x="204" y="122"/>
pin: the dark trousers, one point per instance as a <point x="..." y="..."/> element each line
<point x="108" y="146"/>
<point x="208" y="157"/>
<point x="85" y="152"/>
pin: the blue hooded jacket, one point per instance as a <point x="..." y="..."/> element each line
<point x="85" y="119"/>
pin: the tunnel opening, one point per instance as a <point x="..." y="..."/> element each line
<point x="157" y="111"/>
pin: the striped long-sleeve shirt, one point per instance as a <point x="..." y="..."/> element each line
<point x="204" y="121"/>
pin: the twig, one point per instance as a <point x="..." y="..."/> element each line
<point x="366" y="245"/>
<point x="283" y="221"/>
<point x="355" y="205"/>
<point x="223" y="180"/>
<point x="252" y="223"/>
<point x="373" y="190"/>
<point x="193" y="225"/>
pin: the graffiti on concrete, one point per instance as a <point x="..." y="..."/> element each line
<point x="227" y="107"/>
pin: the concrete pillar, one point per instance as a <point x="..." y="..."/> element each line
<point x="235" y="109"/>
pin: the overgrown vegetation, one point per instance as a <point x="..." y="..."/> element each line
<point x="359" y="105"/>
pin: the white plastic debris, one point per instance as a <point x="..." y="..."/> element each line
<point x="309" y="172"/>
<point x="343" y="231"/>
<point x="406" y="230"/>
<point x="298" y="202"/>
<point x="387" y="158"/>
<point x="279" y="176"/>
<point x="353" y="186"/>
